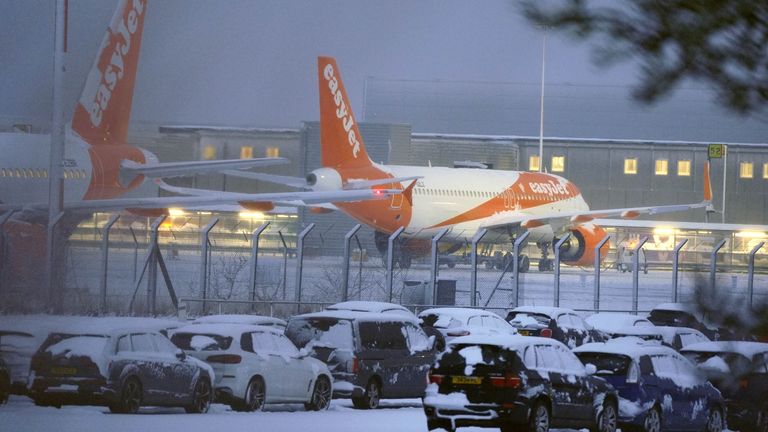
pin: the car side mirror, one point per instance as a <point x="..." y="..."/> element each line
<point x="181" y="355"/>
<point x="590" y="369"/>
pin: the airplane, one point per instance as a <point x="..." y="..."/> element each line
<point x="463" y="200"/>
<point x="100" y="166"/>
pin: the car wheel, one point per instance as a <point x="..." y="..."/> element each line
<point x="370" y="400"/>
<point x="321" y="396"/>
<point x="201" y="398"/>
<point x="130" y="397"/>
<point x="652" y="422"/>
<point x="255" y="395"/>
<point x="539" y="421"/>
<point x="608" y="419"/>
<point x="715" y="421"/>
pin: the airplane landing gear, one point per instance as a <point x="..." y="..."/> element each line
<point x="545" y="264"/>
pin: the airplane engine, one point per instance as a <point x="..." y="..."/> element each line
<point x="579" y="250"/>
<point x="324" y="179"/>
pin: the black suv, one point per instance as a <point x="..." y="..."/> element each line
<point x="561" y="324"/>
<point x="372" y="356"/>
<point x="122" y="369"/>
<point x="683" y="315"/>
<point x="516" y="383"/>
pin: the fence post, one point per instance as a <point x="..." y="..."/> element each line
<point x="751" y="272"/>
<point x="636" y="273"/>
<point x="53" y="282"/>
<point x="598" y="260"/>
<point x="255" y="237"/>
<point x="345" y="276"/>
<point x="105" y="260"/>
<point x="558" y="245"/>
<point x="473" y="280"/>
<point x="154" y="241"/>
<point x="713" y="263"/>
<point x="204" y="260"/>
<point x="391" y="258"/>
<point x="300" y="262"/>
<point x="434" y="263"/>
<point x="5" y="217"/>
<point x="516" y="264"/>
<point x="676" y="268"/>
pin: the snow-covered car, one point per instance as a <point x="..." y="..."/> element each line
<point x="122" y="369"/>
<point x="260" y="320"/>
<point x="516" y="383"/>
<point x="683" y="315"/>
<point x="16" y="349"/>
<point x="680" y="337"/>
<point x="623" y="324"/>
<point x="5" y="382"/>
<point x="372" y="356"/>
<point x="454" y="322"/>
<point x="561" y="324"/>
<point x="740" y="371"/>
<point x="372" y="306"/>
<point x="658" y="388"/>
<point x="256" y="365"/>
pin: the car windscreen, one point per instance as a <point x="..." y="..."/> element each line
<point x="201" y="341"/>
<point x="440" y="321"/>
<point x="528" y="319"/>
<point x="71" y="345"/>
<point x="719" y="364"/>
<point x="469" y="359"/>
<point x="321" y="332"/>
<point x="671" y="318"/>
<point x="606" y="364"/>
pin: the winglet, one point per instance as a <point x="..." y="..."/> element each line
<point x="707" y="184"/>
<point x="408" y="192"/>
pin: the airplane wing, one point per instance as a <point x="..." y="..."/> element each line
<point x="177" y="169"/>
<point x="301" y="183"/>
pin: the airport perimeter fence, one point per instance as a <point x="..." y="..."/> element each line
<point x="201" y="264"/>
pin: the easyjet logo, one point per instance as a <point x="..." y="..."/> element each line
<point x="115" y="70"/>
<point x="347" y="121"/>
<point x="549" y="188"/>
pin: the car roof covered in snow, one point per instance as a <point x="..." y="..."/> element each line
<point x="549" y="311"/>
<point x="358" y="316"/>
<point x="512" y="342"/>
<point x="748" y="349"/>
<point x="457" y="312"/>
<point x="224" y="329"/>
<point x="614" y="320"/>
<point x="627" y="346"/>
<point x="368" y="306"/>
<point x="240" y="319"/>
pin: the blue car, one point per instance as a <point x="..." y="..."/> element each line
<point x="659" y="389"/>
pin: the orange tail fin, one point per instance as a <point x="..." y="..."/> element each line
<point x="102" y="114"/>
<point x="340" y="139"/>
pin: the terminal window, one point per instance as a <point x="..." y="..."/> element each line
<point x="273" y="152"/>
<point x="246" y="152"/>
<point x="662" y="167"/>
<point x="746" y="170"/>
<point x="684" y="168"/>
<point x="558" y="163"/>
<point x="209" y="152"/>
<point x="533" y="163"/>
<point x="630" y="166"/>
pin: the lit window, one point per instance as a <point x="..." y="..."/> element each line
<point x="684" y="168"/>
<point x="246" y="152"/>
<point x="45" y="173"/>
<point x="662" y="167"/>
<point x="273" y="152"/>
<point x="533" y="163"/>
<point x="558" y="163"/>
<point x="630" y="166"/>
<point x="746" y="170"/>
<point x="209" y="152"/>
<point x="765" y="170"/>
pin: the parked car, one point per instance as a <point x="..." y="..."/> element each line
<point x="257" y="365"/>
<point x="740" y="371"/>
<point x="658" y="388"/>
<point x="372" y="306"/>
<point x="454" y="322"/>
<point x="680" y="337"/>
<point x="372" y="356"/>
<point x="260" y="320"/>
<point x="516" y="383"/>
<point x="561" y="324"/>
<point x="122" y="369"/>
<point x="683" y="315"/>
<point x="622" y="324"/>
<point x="16" y="349"/>
<point x="5" y="382"/>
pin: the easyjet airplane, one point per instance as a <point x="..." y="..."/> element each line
<point x="100" y="167"/>
<point x="461" y="199"/>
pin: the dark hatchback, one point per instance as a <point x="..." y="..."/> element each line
<point x="122" y="369"/>
<point x="740" y="371"/>
<point x="683" y="315"/>
<point x="561" y="324"/>
<point x="516" y="383"/>
<point x="658" y="388"/>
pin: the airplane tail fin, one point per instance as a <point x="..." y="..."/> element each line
<point x="104" y="109"/>
<point x="340" y="139"/>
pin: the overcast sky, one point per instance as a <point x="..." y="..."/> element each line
<point x="252" y="63"/>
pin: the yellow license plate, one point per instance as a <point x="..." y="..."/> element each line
<point x="63" y="370"/>
<point x="466" y="380"/>
<point x="524" y="332"/>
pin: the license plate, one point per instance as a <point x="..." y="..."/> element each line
<point x="466" y="380"/>
<point x="524" y="332"/>
<point x="58" y="370"/>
